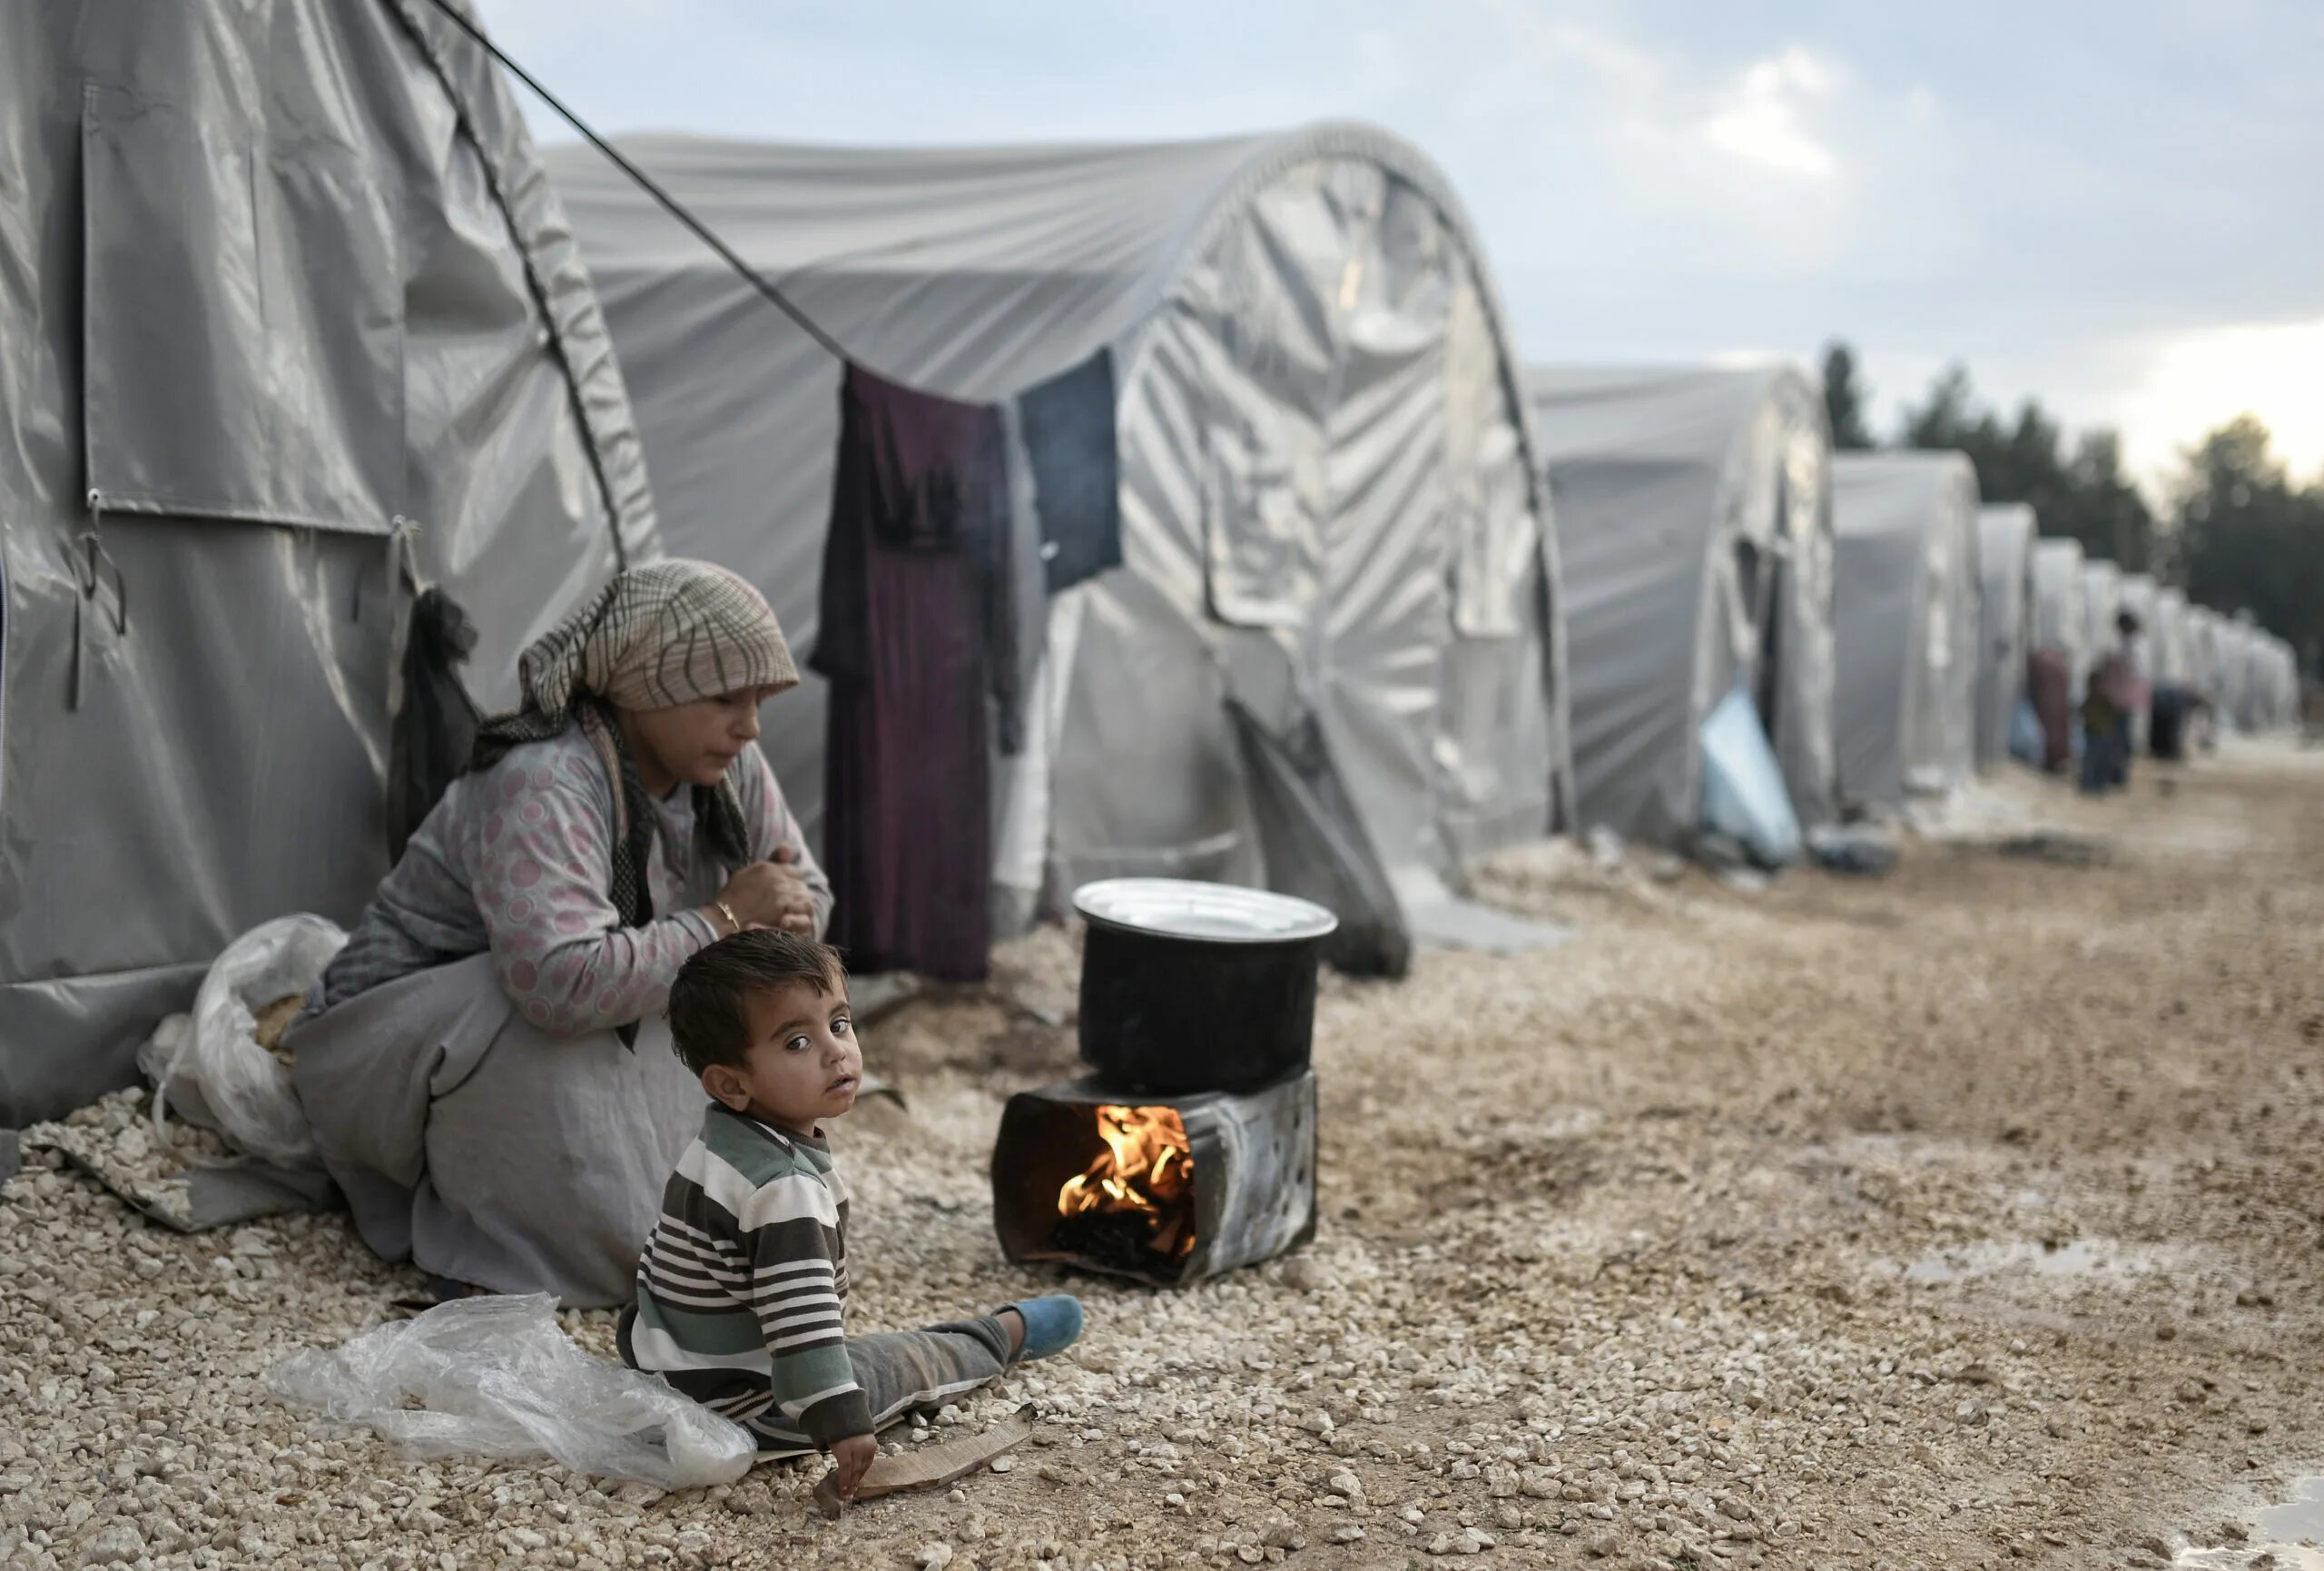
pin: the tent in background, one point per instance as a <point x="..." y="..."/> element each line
<point x="2262" y="699"/>
<point x="2061" y="622"/>
<point x="1905" y="618"/>
<point x="2005" y="559"/>
<point x="2170" y="635"/>
<point x="2201" y="635"/>
<point x="294" y="290"/>
<point x="1694" y="521"/>
<point x="2247" y="678"/>
<point x="2057" y="662"/>
<point x="2231" y="670"/>
<point x="1328" y="504"/>
<point x="2138" y="599"/>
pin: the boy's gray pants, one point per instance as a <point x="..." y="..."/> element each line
<point x="903" y="1371"/>
<point x="899" y="1371"/>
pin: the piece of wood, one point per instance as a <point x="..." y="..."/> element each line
<point x="929" y="1466"/>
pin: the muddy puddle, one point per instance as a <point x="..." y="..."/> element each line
<point x="2284" y="1537"/>
<point x="2063" y="1258"/>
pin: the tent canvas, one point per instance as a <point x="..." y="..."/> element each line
<point x="292" y="292"/>
<point x="2237" y="687"/>
<point x="2006" y="533"/>
<point x="1328" y="504"/>
<point x="1693" y="510"/>
<point x="2061" y="625"/>
<point x="2170" y="633"/>
<point x="2228" y="670"/>
<point x="2137" y="600"/>
<point x="2202" y="651"/>
<point x="1905" y="619"/>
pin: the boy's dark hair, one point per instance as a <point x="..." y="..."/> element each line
<point x="707" y="1024"/>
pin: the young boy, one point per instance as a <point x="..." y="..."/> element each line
<point x="743" y="1285"/>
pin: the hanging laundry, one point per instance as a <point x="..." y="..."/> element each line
<point x="916" y="633"/>
<point x="1067" y="424"/>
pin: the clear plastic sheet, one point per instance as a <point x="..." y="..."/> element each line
<point x="496" y="1379"/>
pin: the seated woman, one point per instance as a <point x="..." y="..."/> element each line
<point x="485" y="1065"/>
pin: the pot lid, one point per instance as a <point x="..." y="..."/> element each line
<point x="1210" y="913"/>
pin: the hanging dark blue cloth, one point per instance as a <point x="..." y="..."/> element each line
<point x="1067" y="424"/>
<point x="916" y="633"/>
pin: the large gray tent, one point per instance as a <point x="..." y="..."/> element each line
<point x="1328" y="503"/>
<point x="1905" y="618"/>
<point x="280" y="279"/>
<point x="1693" y="522"/>
<point x="2006" y="533"/>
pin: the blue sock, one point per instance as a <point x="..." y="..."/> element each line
<point x="1052" y="1324"/>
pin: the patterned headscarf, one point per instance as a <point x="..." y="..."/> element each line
<point x="657" y="637"/>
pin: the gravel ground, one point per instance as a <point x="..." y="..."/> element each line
<point x="1967" y="1217"/>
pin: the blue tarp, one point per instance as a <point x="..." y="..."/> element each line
<point x="2026" y="743"/>
<point x="1744" y="798"/>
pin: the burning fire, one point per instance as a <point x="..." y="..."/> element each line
<point x="1146" y="1172"/>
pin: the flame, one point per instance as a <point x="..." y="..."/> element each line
<point x="1148" y="1168"/>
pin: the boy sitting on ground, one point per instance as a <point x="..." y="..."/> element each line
<point x="743" y="1285"/>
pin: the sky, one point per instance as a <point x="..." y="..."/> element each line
<point x="2116" y="207"/>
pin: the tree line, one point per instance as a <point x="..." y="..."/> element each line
<point x="2236" y="531"/>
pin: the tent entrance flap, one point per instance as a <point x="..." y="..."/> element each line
<point x="1315" y="847"/>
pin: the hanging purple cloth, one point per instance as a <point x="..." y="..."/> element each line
<point x="916" y="631"/>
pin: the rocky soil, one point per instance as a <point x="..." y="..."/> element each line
<point x="1967" y="1217"/>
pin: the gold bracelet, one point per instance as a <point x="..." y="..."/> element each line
<point x="727" y="911"/>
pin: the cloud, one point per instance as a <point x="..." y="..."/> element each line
<point x="2197" y="382"/>
<point x="1759" y="117"/>
<point x="1654" y="179"/>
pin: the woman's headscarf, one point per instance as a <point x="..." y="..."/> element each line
<point x="657" y="637"/>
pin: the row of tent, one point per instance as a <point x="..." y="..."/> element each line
<point x="300" y="319"/>
<point x="2250" y="676"/>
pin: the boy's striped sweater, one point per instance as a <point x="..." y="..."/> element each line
<point x="743" y="1287"/>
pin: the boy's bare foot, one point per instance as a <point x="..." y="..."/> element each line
<point x="1014" y="1324"/>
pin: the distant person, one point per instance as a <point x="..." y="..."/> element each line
<point x="2117" y="695"/>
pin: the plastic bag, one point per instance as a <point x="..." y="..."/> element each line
<point x="494" y="1378"/>
<point x="212" y="1069"/>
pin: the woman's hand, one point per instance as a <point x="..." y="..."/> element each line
<point x="851" y="1459"/>
<point x="771" y="894"/>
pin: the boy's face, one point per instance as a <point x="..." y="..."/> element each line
<point x="803" y="1063"/>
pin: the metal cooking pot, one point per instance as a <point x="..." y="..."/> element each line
<point x="1188" y="986"/>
